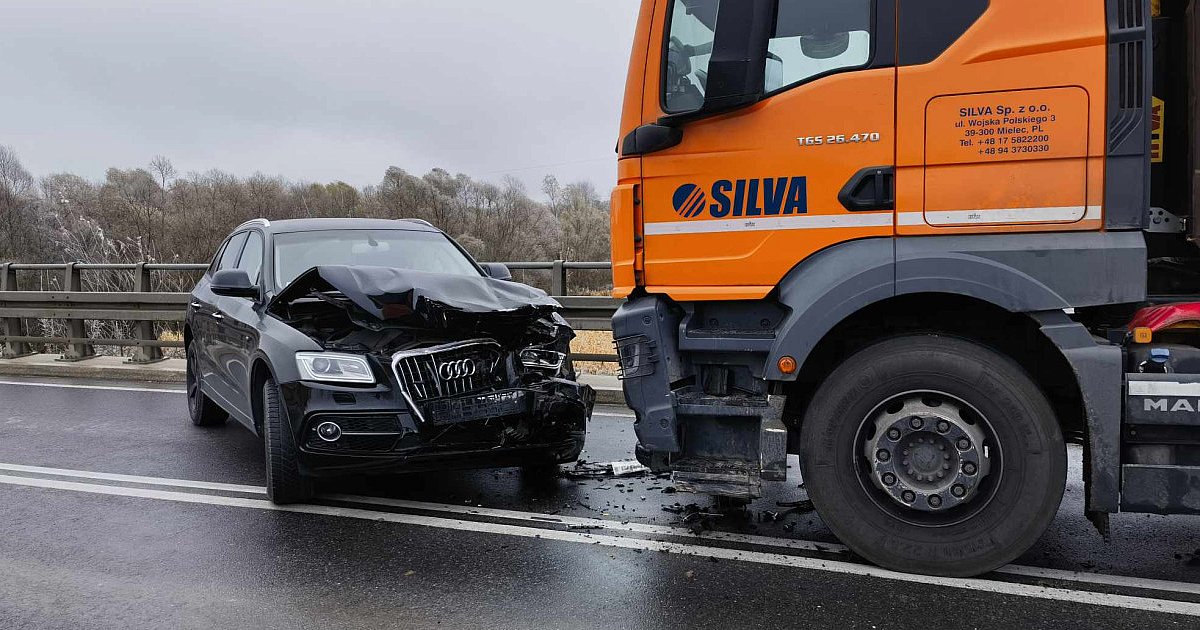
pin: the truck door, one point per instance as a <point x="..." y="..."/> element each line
<point x="749" y="193"/>
<point x="1002" y="118"/>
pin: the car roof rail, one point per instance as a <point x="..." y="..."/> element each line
<point x="421" y="221"/>
<point x="254" y="222"/>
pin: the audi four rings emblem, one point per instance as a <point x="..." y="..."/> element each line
<point x="461" y="368"/>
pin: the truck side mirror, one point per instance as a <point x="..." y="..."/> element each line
<point x="233" y="283"/>
<point x="498" y="271"/>
<point x="738" y="66"/>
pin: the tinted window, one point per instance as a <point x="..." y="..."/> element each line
<point x="813" y="37"/>
<point x="252" y="257"/>
<point x="297" y="252"/>
<point x="229" y="257"/>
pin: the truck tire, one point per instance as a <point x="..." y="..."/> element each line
<point x="285" y="483"/>
<point x="201" y="409"/>
<point x="933" y="455"/>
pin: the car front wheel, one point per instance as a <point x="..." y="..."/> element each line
<point x="285" y="483"/>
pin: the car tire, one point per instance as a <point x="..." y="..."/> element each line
<point x="201" y="409"/>
<point x="285" y="483"/>
<point x="872" y="403"/>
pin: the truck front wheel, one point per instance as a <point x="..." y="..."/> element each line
<point x="933" y="455"/>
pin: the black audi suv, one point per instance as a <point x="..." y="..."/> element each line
<point x="355" y="345"/>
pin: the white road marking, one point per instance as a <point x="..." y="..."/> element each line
<point x="100" y="387"/>
<point x="149" y="481"/>
<point x="598" y="523"/>
<point x="605" y="524"/>
<point x="845" y="568"/>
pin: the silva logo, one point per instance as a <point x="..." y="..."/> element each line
<point x="689" y="201"/>
<point x="768" y="197"/>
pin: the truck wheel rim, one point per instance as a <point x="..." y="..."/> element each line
<point x="928" y="458"/>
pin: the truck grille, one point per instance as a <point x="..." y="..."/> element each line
<point x="450" y="370"/>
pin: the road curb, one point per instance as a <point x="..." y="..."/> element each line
<point x="608" y="390"/>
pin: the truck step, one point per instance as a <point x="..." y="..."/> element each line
<point x="1160" y="489"/>
<point x="1162" y="400"/>
<point x="727" y="477"/>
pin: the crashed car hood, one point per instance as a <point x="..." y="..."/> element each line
<point x="389" y="293"/>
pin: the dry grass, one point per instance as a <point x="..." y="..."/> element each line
<point x="594" y="342"/>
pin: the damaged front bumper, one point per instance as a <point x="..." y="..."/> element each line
<point x="712" y="438"/>
<point x="381" y="429"/>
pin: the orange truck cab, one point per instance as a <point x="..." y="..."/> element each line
<point x="906" y="241"/>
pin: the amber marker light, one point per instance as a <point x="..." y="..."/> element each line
<point x="787" y="365"/>
<point x="1143" y="335"/>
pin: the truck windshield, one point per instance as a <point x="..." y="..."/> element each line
<point x="297" y="252"/>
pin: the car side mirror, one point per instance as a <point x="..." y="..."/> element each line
<point x="233" y="283"/>
<point x="498" y="271"/>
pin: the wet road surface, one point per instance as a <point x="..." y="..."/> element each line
<point x="117" y="513"/>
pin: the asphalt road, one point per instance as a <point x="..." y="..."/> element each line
<point x="117" y="513"/>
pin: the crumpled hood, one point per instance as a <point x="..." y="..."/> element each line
<point x="389" y="294"/>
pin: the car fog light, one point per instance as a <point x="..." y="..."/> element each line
<point x="329" y="431"/>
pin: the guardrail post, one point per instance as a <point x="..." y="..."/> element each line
<point x="76" y="327"/>
<point x="144" y="331"/>
<point x="558" y="278"/>
<point x="12" y="326"/>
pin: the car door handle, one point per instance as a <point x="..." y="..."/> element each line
<point x="197" y="305"/>
<point x="218" y="316"/>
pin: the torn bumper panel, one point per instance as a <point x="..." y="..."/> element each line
<point x="397" y="426"/>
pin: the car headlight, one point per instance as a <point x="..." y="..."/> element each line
<point x="333" y="367"/>
<point x="542" y="359"/>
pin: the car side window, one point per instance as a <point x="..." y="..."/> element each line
<point x="252" y="257"/>
<point x="232" y="252"/>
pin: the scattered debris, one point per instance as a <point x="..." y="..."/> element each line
<point x="768" y="516"/>
<point x="804" y="505"/>
<point x="588" y="470"/>
<point x="409" y="572"/>
<point x="690" y="574"/>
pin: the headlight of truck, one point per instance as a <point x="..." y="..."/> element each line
<point x="333" y="367"/>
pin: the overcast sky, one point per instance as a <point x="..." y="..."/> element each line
<point x="317" y="91"/>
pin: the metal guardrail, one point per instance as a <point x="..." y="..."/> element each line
<point x="144" y="307"/>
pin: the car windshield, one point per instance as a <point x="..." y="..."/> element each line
<point x="297" y="252"/>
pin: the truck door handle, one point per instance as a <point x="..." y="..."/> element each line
<point x="870" y="189"/>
